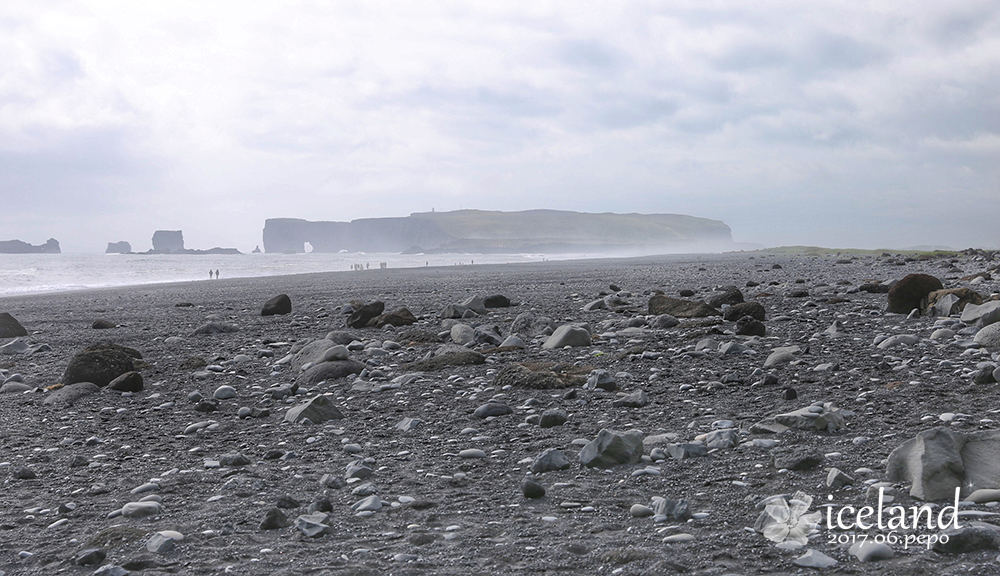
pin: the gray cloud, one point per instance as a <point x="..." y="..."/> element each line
<point x="794" y="122"/>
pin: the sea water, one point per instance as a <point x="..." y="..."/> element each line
<point x="32" y="273"/>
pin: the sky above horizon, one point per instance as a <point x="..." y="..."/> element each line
<point x="841" y="124"/>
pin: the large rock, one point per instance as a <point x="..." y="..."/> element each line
<point x="317" y="409"/>
<point x="567" y="335"/>
<point x="531" y="324"/>
<point x="209" y="328"/>
<point x="280" y="304"/>
<point x="167" y="241"/>
<point x="127" y="382"/>
<point x="984" y="315"/>
<point x="122" y="247"/>
<point x="541" y="376"/>
<point x="10" y="327"/>
<point x="401" y="317"/>
<point x="313" y="352"/>
<point x="99" y="364"/>
<point x="360" y="317"/>
<point x="907" y="294"/>
<point x="989" y="336"/>
<point x="730" y="295"/>
<point x="444" y="358"/>
<point x="549" y="460"/>
<point x="939" y="460"/>
<point x="752" y="309"/>
<point x="948" y="302"/>
<point x="612" y="448"/>
<point x="67" y="395"/>
<point x="678" y="308"/>
<point x="329" y="371"/>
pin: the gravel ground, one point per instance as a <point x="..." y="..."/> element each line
<point x="447" y="514"/>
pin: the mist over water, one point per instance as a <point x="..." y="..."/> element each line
<point x="35" y="273"/>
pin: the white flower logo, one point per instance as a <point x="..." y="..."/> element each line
<point x="786" y="522"/>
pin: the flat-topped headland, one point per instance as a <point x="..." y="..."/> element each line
<point x="583" y="416"/>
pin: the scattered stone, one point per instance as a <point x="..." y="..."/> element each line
<point x="664" y="321"/>
<point x="752" y="309"/>
<point x="492" y="409"/>
<point x="103" y="325"/>
<point x="496" y="301"/>
<point x="99" y="364"/>
<point x="937" y="461"/>
<point x="314" y="525"/>
<point x="224" y="392"/>
<point x="532" y="489"/>
<point x="749" y="326"/>
<point x="612" y="448"/>
<point x="567" y="335"/>
<point x="814" y="559"/>
<point x="10" y="327"/>
<point x="967" y="539"/>
<point x="553" y="417"/>
<point x="280" y="304"/>
<point x="636" y="399"/>
<point x="407" y="424"/>
<point x="141" y="509"/>
<point x="795" y="458"/>
<point x="549" y="460"/>
<point x="870" y="551"/>
<point x="211" y="328"/>
<point x="274" y="519"/>
<point x="67" y="395"/>
<point x="361" y="316"/>
<point x="678" y="308"/>
<point x="317" y="410"/>
<point x="837" y="479"/>
<point x="601" y="379"/>
<point x="163" y="541"/>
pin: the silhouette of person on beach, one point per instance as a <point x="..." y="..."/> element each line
<point x="216" y="274"/>
<point x="209" y="274"/>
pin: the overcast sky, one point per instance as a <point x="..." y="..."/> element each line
<point x="845" y="124"/>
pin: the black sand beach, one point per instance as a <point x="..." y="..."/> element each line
<point x="438" y="505"/>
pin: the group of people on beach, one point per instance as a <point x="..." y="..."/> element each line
<point x="210" y="272"/>
<point x="367" y="266"/>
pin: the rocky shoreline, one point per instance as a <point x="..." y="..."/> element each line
<point x="640" y="416"/>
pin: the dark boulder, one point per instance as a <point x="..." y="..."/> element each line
<point x="102" y="325"/>
<point x="678" y="308"/>
<point x="906" y="295"/>
<point x="401" y="317"/>
<point x="280" y="304"/>
<point x="750" y="326"/>
<point x="752" y="309"/>
<point x="329" y="371"/>
<point x="727" y="295"/>
<point x="10" y="327"/>
<point x="127" y="382"/>
<point x="360" y="317"/>
<point x="496" y="301"/>
<point x="100" y="364"/>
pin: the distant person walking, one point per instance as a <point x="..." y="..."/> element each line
<point x="210" y="274"/>
<point x="216" y="274"/>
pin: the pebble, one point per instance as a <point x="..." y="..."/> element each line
<point x="224" y="392"/>
<point x="140" y="509"/>
<point x="472" y="453"/>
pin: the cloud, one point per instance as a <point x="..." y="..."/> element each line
<point x="794" y="122"/>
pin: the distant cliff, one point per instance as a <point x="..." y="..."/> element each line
<point x="122" y="247"/>
<point x="19" y="247"/>
<point x="479" y="231"/>
<point x="172" y="242"/>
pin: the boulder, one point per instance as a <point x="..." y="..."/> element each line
<point x="317" y="410"/>
<point x="550" y="460"/>
<point x="531" y="324"/>
<point x="67" y="395"/>
<point x="463" y="334"/>
<point x="660" y="304"/>
<point x="127" y="382"/>
<point x="567" y="335"/>
<point x="664" y="321"/>
<point x="540" y="376"/>
<point x="730" y="295"/>
<point x="752" y="309"/>
<point x="329" y="371"/>
<point x="401" y="317"/>
<point x="907" y="294"/>
<point x="750" y="326"/>
<point x="10" y="327"/>
<point x="280" y="304"/>
<point x="445" y="358"/>
<point x="982" y="315"/>
<point x="612" y="448"/>
<point x="361" y="316"/>
<point x="948" y="302"/>
<point x="989" y="336"/>
<point x="98" y="364"/>
<point x="313" y="352"/>
<point x="496" y="301"/>
<point x="937" y="461"/>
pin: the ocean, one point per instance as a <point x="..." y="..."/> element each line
<point x="35" y="273"/>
